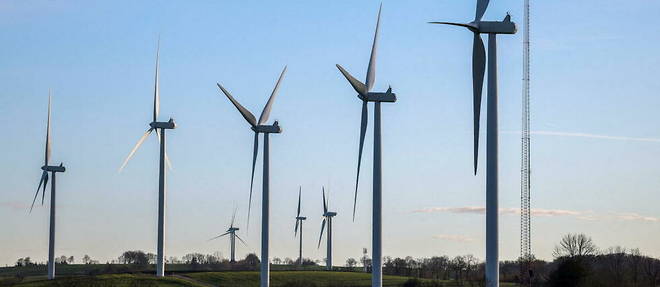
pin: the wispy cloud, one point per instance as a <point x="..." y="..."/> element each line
<point x="15" y="205"/>
<point x="591" y="136"/>
<point x="481" y="210"/>
<point x="636" y="217"/>
<point x="456" y="238"/>
<point x="540" y="212"/>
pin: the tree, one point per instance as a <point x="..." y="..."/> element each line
<point x="571" y="272"/>
<point x="252" y="259"/>
<point x="351" y="262"/>
<point x="70" y="260"/>
<point x="277" y="261"/>
<point x="137" y="257"/>
<point x="651" y="269"/>
<point x="86" y="259"/>
<point x="575" y="245"/>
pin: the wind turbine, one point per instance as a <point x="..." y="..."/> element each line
<point x="299" y="220"/>
<point x="53" y="169"/>
<point x="232" y="237"/>
<point x="366" y="96"/>
<point x="160" y="128"/>
<point x="327" y="216"/>
<point x="492" y="28"/>
<point x="260" y="127"/>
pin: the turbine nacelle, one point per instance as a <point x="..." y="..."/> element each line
<point x="387" y="97"/>
<point x="233" y="229"/>
<point x="169" y="125"/>
<point x="301" y="218"/>
<point x="53" y="168"/>
<point x="268" y="129"/>
<point x="329" y="214"/>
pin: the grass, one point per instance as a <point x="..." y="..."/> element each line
<point x="225" y="279"/>
<point x="301" y="278"/>
<point x="119" y="280"/>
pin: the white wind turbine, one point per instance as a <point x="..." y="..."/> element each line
<point x="327" y="216"/>
<point x="53" y="169"/>
<point x="492" y="28"/>
<point x="260" y="127"/>
<point x="299" y="222"/>
<point x="160" y="128"/>
<point x="365" y="94"/>
<point x="231" y="231"/>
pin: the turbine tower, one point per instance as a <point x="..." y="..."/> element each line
<point x="260" y="127"/>
<point x="492" y="28"/>
<point x="160" y="128"/>
<point x="231" y="231"/>
<point x="299" y="222"/>
<point x="526" y="256"/>
<point x="327" y="216"/>
<point x="365" y="94"/>
<point x="53" y="169"/>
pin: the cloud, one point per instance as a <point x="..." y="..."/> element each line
<point x="456" y="238"/>
<point x="481" y="210"/>
<point x="540" y="212"/>
<point x="15" y="205"/>
<point x="591" y="136"/>
<point x="636" y="217"/>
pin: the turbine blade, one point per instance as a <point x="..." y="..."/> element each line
<point x="135" y="148"/>
<point x="478" y="70"/>
<point x="321" y="236"/>
<point x="47" y="152"/>
<point x="481" y="9"/>
<point x="247" y="115"/>
<point x="469" y="26"/>
<point x="371" y="71"/>
<point x="241" y="239"/>
<point x="295" y="230"/>
<point x="254" y="163"/>
<point x="221" y="235"/>
<point x="44" y="175"/>
<point x="325" y="204"/>
<point x="43" y="191"/>
<point x="167" y="158"/>
<point x="156" y="84"/>
<point x="233" y="216"/>
<point x="266" y="112"/>
<point x="359" y="87"/>
<point x="299" y="197"/>
<point x="363" y="132"/>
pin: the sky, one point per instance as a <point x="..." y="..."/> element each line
<point x="595" y="140"/>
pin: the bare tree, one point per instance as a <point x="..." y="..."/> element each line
<point x="351" y="262"/>
<point x="86" y="259"/>
<point x="575" y="245"/>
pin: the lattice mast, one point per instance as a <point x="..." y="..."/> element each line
<point x="526" y="256"/>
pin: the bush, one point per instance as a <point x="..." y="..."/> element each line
<point x="571" y="272"/>
<point x="412" y="282"/>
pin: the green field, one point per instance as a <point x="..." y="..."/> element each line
<point x="229" y="279"/>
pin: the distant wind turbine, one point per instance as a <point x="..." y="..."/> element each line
<point x="299" y="222"/>
<point x="259" y="127"/>
<point x="160" y="128"/>
<point x="492" y="28"/>
<point x="366" y="96"/>
<point x="53" y="169"/>
<point x="327" y="216"/>
<point x="231" y="231"/>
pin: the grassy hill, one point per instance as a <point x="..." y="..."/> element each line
<point x="228" y="279"/>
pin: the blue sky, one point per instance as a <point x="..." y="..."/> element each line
<point x="593" y="99"/>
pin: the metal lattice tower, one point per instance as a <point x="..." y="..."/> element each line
<point x="526" y="256"/>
